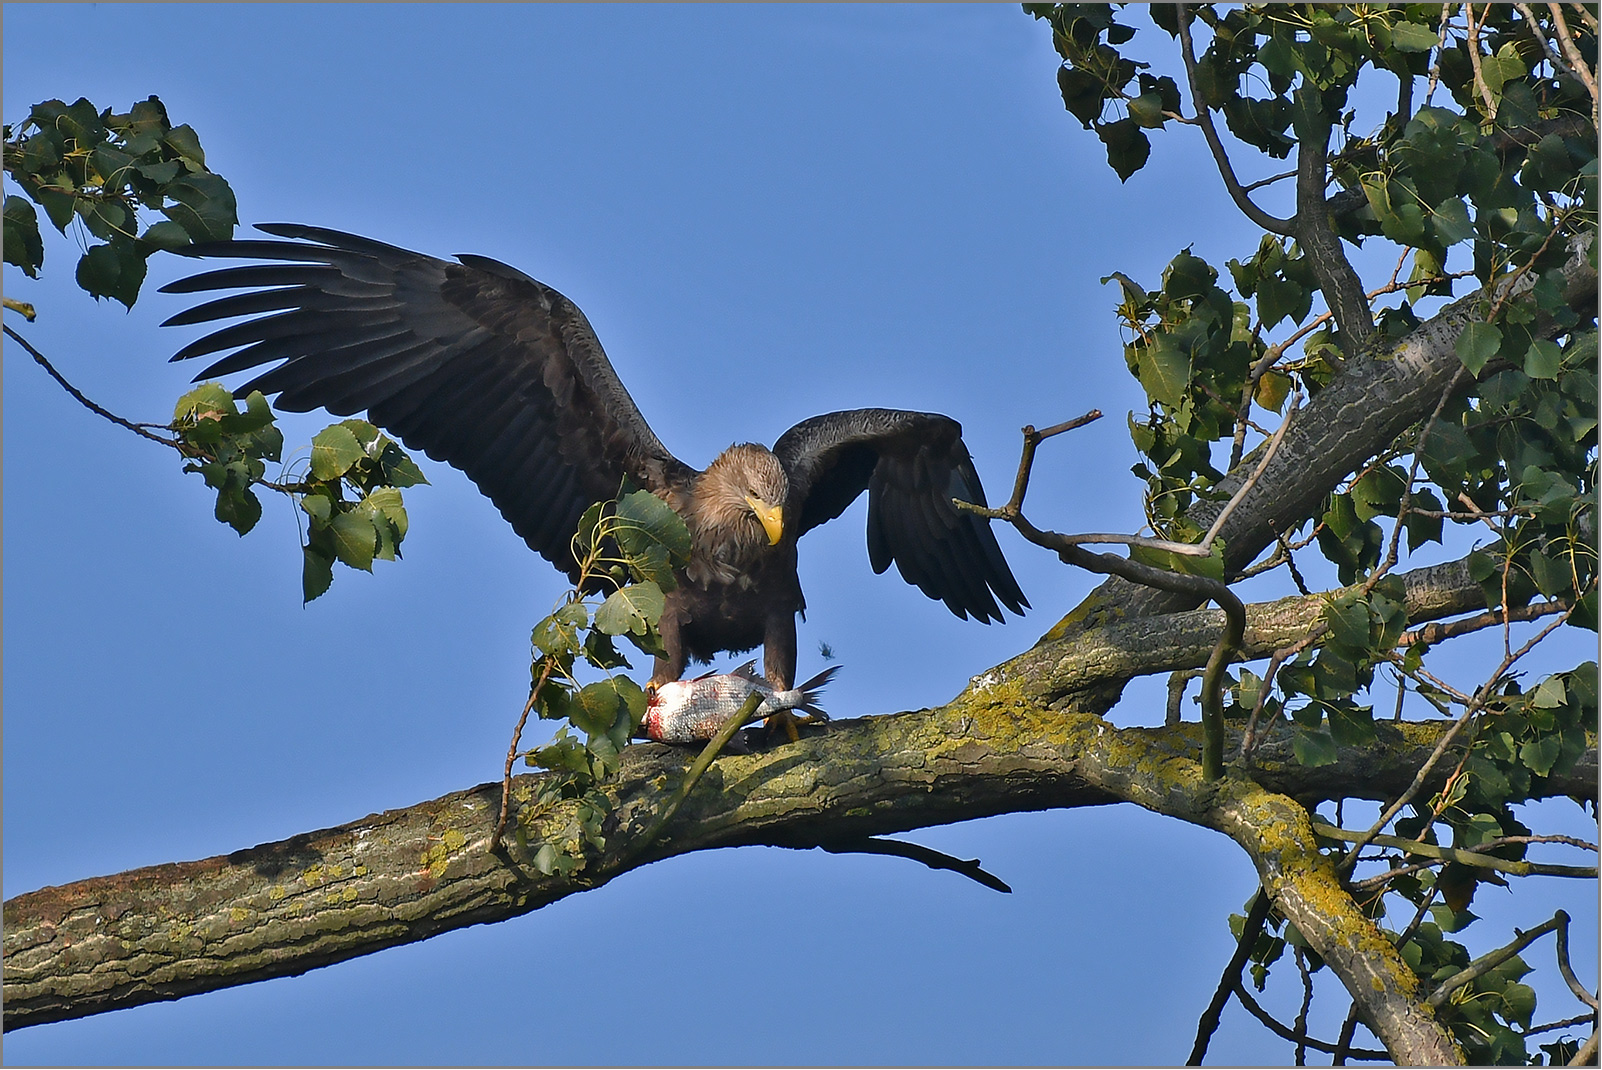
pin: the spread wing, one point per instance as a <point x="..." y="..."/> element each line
<point x="911" y="464"/>
<point x="474" y="363"/>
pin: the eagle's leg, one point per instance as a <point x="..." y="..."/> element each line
<point x="778" y="665"/>
<point x="668" y="669"/>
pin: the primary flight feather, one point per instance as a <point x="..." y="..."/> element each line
<point x="497" y="374"/>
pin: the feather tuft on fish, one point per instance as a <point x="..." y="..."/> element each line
<point x="690" y="711"/>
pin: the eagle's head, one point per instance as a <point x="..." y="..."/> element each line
<point x="742" y="495"/>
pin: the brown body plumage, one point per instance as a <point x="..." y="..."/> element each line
<point x="483" y="367"/>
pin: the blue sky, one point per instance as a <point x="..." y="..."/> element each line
<point x="824" y="207"/>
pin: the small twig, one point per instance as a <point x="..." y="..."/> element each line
<point x="1256" y="915"/>
<point x="1474" y="59"/>
<point x="511" y="757"/>
<point x="1578" y="1019"/>
<point x="1457" y="854"/>
<point x="23" y="307"/>
<point x="1440" y="47"/>
<point x="1391" y="550"/>
<point x="1307" y="1002"/>
<point x="1587" y="1053"/>
<point x="1491" y="960"/>
<point x="873" y="845"/>
<point x="1551" y="51"/>
<point x="1251" y="480"/>
<point x="1440" y="631"/>
<point x="1348" y="1031"/>
<point x="1572" y="51"/>
<point x="1210" y="132"/>
<point x="1261" y="182"/>
<point x="1579" y="990"/>
<point x="44" y="363"/>
<point x="1177" y="682"/>
<point x="1285" y="1032"/>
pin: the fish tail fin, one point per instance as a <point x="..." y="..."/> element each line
<point x="810" y="689"/>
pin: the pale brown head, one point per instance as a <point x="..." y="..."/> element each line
<point x="741" y="496"/>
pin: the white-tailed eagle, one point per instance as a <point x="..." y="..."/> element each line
<point x="483" y="367"/>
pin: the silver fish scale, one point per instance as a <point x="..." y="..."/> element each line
<point x="690" y="710"/>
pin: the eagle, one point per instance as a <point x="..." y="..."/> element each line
<point x="495" y="373"/>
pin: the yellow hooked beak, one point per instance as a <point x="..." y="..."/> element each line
<point x="771" y="516"/>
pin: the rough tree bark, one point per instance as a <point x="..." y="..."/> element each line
<point x="1023" y="736"/>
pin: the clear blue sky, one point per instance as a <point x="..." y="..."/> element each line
<point x="827" y="207"/>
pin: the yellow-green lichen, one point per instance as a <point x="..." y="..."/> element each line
<point x="277" y="892"/>
<point x="238" y="915"/>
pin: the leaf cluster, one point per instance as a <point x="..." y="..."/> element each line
<point x="350" y="493"/>
<point x="626" y="551"/>
<point x="98" y="169"/>
<point x="1485" y="168"/>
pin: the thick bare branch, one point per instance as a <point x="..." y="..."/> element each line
<point x="404" y="875"/>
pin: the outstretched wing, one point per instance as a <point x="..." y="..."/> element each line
<point x="911" y="464"/>
<point x="475" y="363"/>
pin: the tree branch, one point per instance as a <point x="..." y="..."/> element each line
<point x="1338" y="282"/>
<point x="1204" y="118"/>
<point x="280" y="909"/>
<point x="1251" y="927"/>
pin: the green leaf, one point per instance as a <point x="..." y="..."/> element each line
<point x="600" y="651"/>
<point x="1411" y="37"/>
<point x="1544" y="360"/>
<point x="186" y="143"/>
<point x="239" y="508"/>
<point x="1147" y="110"/>
<point x="204" y="207"/>
<point x="1272" y="390"/>
<point x="355" y="540"/>
<point x="165" y="234"/>
<point x="1350" y="725"/>
<point x="1477" y="344"/>
<point x="1539" y="755"/>
<point x="1518" y="1001"/>
<point x="598" y="706"/>
<point x="23" y="246"/>
<point x="1164" y="369"/>
<point x="386" y="501"/>
<point x="557" y="635"/>
<point x="1128" y="148"/>
<point x="635" y="608"/>
<point x="115" y="270"/>
<point x="399" y="469"/>
<point x="652" y="537"/>
<point x="1551" y="694"/>
<point x="334" y="450"/>
<point x="1451" y="221"/>
<point x="316" y="573"/>
<point x="1347" y="618"/>
<point x="1313" y="748"/>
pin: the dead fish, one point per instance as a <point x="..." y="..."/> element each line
<point x="687" y="711"/>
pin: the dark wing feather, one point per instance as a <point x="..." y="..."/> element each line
<point x="475" y="363"/>
<point x="911" y="464"/>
